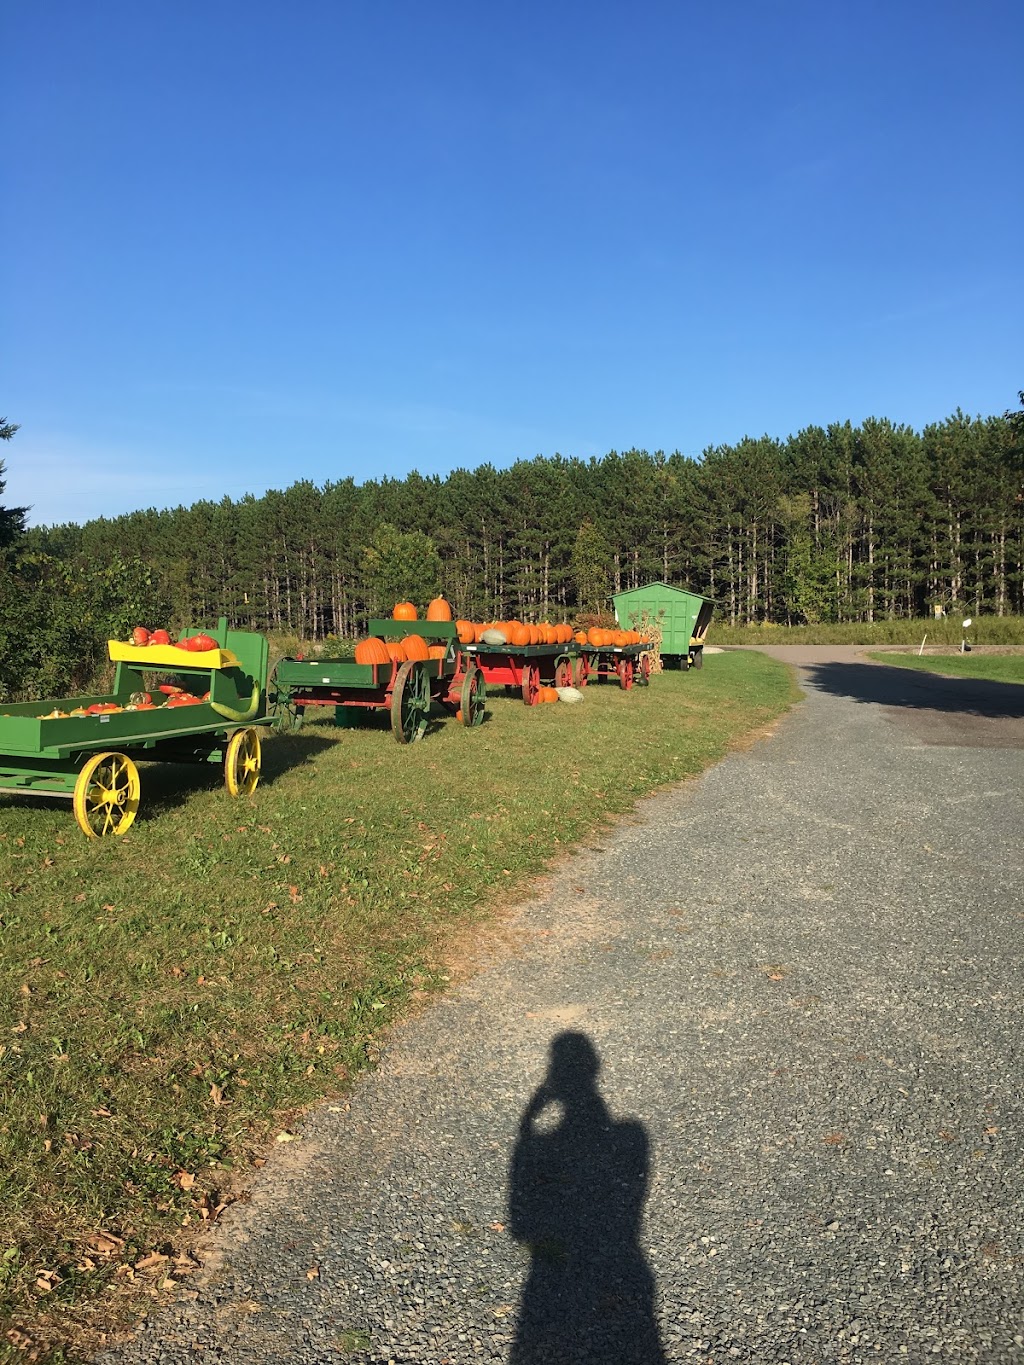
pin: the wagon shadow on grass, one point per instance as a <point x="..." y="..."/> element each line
<point x="577" y="1186"/>
<point x="167" y="786"/>
<point x="890" y="685"/>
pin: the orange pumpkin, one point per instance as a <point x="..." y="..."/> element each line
<point x="372" y="651"/>
<point x="478" y="630"/>
<point x="415" y="647"/>
<point x="549" y="694"/>
<point x="465" y="630"/>
<point x="547" y="633"/>
<point x="439" y="610"/>
<point x="620" y="638"/>
<point x="396" y="651"/>
<point x="595" y="636"/>
<point x="436" y="651"/>
<point x="520" y="635"/>
<point x="581" y="638"/>
<point x="404" y="611"/>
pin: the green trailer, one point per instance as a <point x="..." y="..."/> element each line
<point x="84" y="748"/>
<point x="682" y="617"/>
<point x="403" y="690"/>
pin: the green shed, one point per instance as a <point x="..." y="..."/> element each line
<point x="683" y="616"/>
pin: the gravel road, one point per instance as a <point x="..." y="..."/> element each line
<point x="743" y="1083"/>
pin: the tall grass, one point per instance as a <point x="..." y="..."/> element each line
<point x="985" y="630"/>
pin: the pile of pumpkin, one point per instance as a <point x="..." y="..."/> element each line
<point x="377" y="651"/>
<point x="516" y="633"/>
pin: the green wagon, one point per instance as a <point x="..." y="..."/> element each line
<point x="405" y="690"/>
<point x="683" y="618"/>
<point x="84" y="748"/>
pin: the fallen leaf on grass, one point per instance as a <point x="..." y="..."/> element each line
<point x="184" y="1180"/>
<point x="217" y="1095"/>
<point x="104" y="1243"/>
<point x="287" y="1137"/>
<point x="150" y="1262"/>
<point x="294" y="895"/>
<point x="47" y="1280"/>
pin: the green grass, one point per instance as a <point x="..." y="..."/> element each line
<point x="996" y="667"/>
<point x="986" y="630"/>
<point x="170" y="999"/>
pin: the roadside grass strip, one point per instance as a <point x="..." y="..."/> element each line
<point x="1008" y="668"/>
<point x="171" y="999"/>
<point x="985" y="630"/>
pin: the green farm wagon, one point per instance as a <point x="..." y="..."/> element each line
<point x="681" y="616"/>
<point x="403" y="690"/>
<point x="84" y="748"/>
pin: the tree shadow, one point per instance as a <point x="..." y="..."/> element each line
<point x="889" y="685"/>
<point x="578" y="1181"/>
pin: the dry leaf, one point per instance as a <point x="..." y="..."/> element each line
<point x="105" y="1243"/>
<point x="293" y="895"/>
<point x="834" y="1139"/>
<point x="47" y="1280"/>
<point x="313" y="1273"/>
<point x="287" y="1137"/>
<point x="184" y="1180"/>
<point x="216" y="1094"/>
<point x="149" y="1262"/>
<point x="497" y="1227"/>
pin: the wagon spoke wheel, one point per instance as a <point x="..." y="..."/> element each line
<point x="474" y="697"/>
<point x="288" y="714"/>
<point x="697" y="657"/>
<point x="242" y="762"/>
<point x="563" y="672"/>
<point x="106" y="795"/>
<point x="410" y="702"/>
<point x="582" y="671"/>
<point x="531" y="683"/>
<point x="625" y="672"/>
<point x="644" y="679"/>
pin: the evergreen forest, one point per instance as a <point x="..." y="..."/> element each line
<point x="834" y="524"/>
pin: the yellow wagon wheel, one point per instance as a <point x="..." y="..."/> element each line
<point x="242" y="762"/>
<point x="106" y="795"/>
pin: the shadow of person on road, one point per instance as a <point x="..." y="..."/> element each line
<point x="890" y="685"/>
<point x="578" y="1181"/>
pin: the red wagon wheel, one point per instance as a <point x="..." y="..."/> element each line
<point x="563" y="672"/>
<point x="531" y="683"/>
<point x="582" y="671"/>
<point x="645" y="670"/>
<point x="625" y="672"/>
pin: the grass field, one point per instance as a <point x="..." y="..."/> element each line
<point x="986" y="630"/>
<point x="995" y="667"/>
<point x="171" y="998"/>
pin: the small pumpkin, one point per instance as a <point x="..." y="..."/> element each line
<point x="403" y="611"/>
<point x="549" y="694"/>
<point x="438" y="610"/>
<point x="595" y="637"/>
<point x="520" y="635"/>
<point x="160" y="637"/>
<point x="465" y="630"/>
<point x="201" y="643"/>
<point x="396" y="651"/>
<point x="436" y="651"/>
<point x="415" y="647"/>
<point x="581" y="638"/>
<point x="140" y="636"/>
<point x="372" y="651"/>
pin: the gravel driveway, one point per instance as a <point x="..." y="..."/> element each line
<point x="744" y="1084"/>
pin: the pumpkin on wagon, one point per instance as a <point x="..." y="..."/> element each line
<point x="404" y="667"/>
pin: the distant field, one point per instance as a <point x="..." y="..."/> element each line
<point x="168" y="999"/>
<point x="987" y="630"/>
<point x="995" y="667"/>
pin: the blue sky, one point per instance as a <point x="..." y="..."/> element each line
<point x="246" y="243"/>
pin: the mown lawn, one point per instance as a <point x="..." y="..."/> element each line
<point x="995" y="667"/>
<point x="169" y="999"/>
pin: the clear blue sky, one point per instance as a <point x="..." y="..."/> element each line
<point x="246" y="242"/>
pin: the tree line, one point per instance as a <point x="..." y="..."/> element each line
<point x="837" y="523"/>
